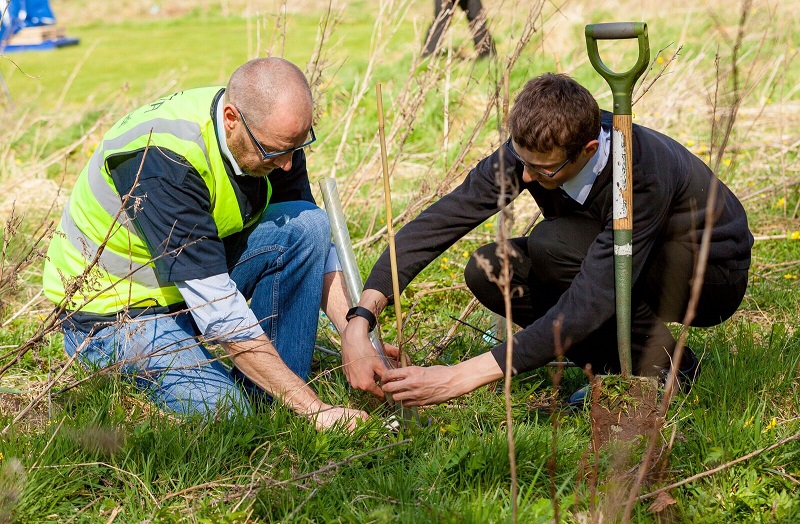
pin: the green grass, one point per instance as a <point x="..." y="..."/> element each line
<point x="99" y="452"/>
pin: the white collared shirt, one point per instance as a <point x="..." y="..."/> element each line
<point x="223" y="143"/>
<point x="578" y="188"/>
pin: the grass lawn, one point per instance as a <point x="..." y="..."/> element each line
<point x="99" y="452"/>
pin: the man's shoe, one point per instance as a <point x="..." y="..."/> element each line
<point x="688" y="371"/>
<point x="578" y="398"/>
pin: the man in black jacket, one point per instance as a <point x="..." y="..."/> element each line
<point x="560" y="151"/>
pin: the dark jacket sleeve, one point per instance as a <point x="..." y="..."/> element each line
<point x="437" y="228"/>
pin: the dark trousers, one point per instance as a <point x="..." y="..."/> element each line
<point x="545" y="263"/>
<point x="477" y="25"/>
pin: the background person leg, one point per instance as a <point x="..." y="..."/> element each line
<point x="476" y="16"/>
<point x="442" y="15"/>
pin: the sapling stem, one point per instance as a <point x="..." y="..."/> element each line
<point x="390" y="229"/>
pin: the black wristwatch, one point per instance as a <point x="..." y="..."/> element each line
<point x="362" y="312"/>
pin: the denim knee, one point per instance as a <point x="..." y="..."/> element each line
<point x="315" y="228"/>
<point x="302" y="224"/>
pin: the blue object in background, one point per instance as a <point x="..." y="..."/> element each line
<point x="20" y="14"/>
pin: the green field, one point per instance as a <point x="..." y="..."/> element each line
<point x="96" y="451"/>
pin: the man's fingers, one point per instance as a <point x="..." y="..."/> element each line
<point x="373" y="388"/>
<point x="393" y="374"/>
<point x="391" y="351"/>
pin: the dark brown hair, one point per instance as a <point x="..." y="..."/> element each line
<point x="554" y="111"/>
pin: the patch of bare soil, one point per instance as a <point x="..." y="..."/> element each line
<point x="623" y="409"/>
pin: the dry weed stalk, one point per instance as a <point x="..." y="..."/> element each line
<point x="556" y="375"/>
<point x="382" y="31"/>
<point x="502" y="278"/>
<point x="321" y="55"/>
<point x="408" y="103"/>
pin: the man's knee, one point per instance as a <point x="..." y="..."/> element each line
<point x="557" y="247"/>
<point x="480" y="269"/>
<point x="314" y="224"/>
<point x="480" y="274"/>
<point x="300" y="222"/>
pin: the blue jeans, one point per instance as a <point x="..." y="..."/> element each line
<point x="277" y="264"/>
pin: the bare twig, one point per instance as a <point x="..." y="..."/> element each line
<point x="721" y="467"/>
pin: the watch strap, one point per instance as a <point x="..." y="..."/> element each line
<point x="364" y="313"/>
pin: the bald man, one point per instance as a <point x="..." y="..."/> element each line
<point x="190" y="207"/>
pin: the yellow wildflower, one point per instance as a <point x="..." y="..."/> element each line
<point x="771" y="425"/>
<point x="749" y="421"/>
<point x="795" y="235"/>
<point x="660" y="60"/>
<point x="780" y="203"/>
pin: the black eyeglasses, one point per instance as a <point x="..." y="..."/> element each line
<point x="264" y="154"/>
<point x="531" y="167"/>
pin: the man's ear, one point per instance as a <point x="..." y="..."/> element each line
<point x="229" y="116"/>
<point x="590" y="149"/>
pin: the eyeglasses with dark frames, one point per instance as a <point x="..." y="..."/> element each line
<point x="264" y="154"/>
<point x="531" y="167"/>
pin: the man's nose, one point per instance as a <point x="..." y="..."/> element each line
<point x="527" y="176"/>
<point x="283" y="162"/>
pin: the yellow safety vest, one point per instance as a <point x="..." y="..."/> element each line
<point x="124" y="273"/>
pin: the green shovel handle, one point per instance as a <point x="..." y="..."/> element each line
<point x="621" y="83"/>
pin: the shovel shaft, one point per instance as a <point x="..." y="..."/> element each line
<point x="622" y="209"/>
<point x="621" y="85"/>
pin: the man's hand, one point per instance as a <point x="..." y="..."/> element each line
<point x="418" y="386"/>
<point x="329" y="416"/>
<point x="361" y="362"/>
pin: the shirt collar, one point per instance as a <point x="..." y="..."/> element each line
<point x="579" y="187"/>
<point x="223" y="143"/>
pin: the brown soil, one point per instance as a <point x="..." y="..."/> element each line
<point x="623" y="409"/>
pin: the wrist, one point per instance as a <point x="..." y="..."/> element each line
<point x="309" y="407"/>
<point x="364" y="314"/>
<point x="471" y="374"/>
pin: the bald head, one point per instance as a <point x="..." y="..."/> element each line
<point x="264" y="85"/>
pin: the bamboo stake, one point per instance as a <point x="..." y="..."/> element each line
<point x="390" y="229"/>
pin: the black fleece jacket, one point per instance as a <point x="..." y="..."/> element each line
<point x="670" y="187"/>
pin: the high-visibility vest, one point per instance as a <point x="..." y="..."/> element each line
<point x="124" y="273"/>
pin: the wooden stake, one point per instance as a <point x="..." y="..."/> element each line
<point x="390" y="229"/>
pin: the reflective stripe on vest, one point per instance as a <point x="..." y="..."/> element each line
<point x="122" y="267"/>
<point x="105" y="195"/>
